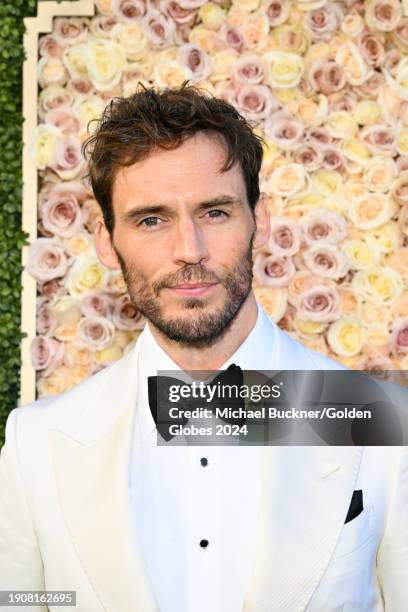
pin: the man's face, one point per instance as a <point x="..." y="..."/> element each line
<point x="183" y="238"/>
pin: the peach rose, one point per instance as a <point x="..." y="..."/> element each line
<point x="371" y="210"/>
<point x="273" y="300"/>
<point x="63" y="118"/>
<point x="51" y="71"/>
<point x="372" y="49"/>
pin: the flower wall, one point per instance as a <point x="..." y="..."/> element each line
<point x="324" y="83"/>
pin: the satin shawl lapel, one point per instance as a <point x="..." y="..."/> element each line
<point x="91" y="461"/>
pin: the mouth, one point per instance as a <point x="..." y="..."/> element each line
<point x="192" y="289"/>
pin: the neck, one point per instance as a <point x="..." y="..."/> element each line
<point x="212" y="357"/>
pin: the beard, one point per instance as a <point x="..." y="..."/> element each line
<point x="200" y="328"/>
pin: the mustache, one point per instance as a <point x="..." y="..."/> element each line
<point x="190" y="274"/>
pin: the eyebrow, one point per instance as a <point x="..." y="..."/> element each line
<point x="140" y="211"/>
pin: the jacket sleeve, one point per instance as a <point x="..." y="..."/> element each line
<point x="20" y="558"/>
<point x="392" y="559"/>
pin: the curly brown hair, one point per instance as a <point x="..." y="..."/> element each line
<point x="131" y="128"/>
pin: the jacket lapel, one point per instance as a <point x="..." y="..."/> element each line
<point x="304" y="502"/>
<point x="91" y="456"/>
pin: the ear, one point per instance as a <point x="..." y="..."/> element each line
<point x="104" y="247"/>
<point x="262" y="220"/>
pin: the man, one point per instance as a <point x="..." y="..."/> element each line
<point x="88" y="499"/>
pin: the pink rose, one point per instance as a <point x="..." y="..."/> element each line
<point x="46" y="354"/>
<point x="372" y="49"/>
<point x="63" y="118"/>
<point x="391" y="60"/>
<point x="319" y="135"/>
<point x="175" y="11"/>
<point x="284" y="239"/>
<point x="45" y="320"/>
<point x="129" y="10"/>
<point x="326" y="76"/>
<point x="102" y="25"/>
<point x="249" y="69"/>
<point x="371" y="87"/>
<point x="326" y="260"/>
<point x="62" y="216"/>
<point x="402" y="163"/>
<point x="323" y="22"/>
<point x="400" y="33"/>
<point x="333" y="159"/>
<point x="49" y="46"/>
<point x="383" y="15"/>
<point x="159" y="28"/>
<point x="379" y="139"/>
<point x="54" y="97"/>
<point x="68" y="160"/>
<point x="51" y="288"/>
<point x="347" y="102"/>
<point x="254" y="102"/>
<point x="191" y="4"/>
<point x="399" y="191"/>
<point x="322" y="224"/>
<point x="309" y="155"/>
<point x="232" y="36"/>
<point x="80" y="86"/>
<point x="376" y="364"/>
<point x="98" y="304"/>
<point x="285" y="131"/>
<point x="399" y="335"/>
<point x="273" y="270"/>
<point x="76" y="188"/>
<point x="95" y="332"/>
<point x="46" y="259"/>
<point x="320" y="303"/>
<point x="126" y="316"/>
<point x="196" y="59"/>
<point x="70" y="30"/>
<point x="277" y="11"/>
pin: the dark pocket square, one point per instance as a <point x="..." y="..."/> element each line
<point x="356" y="506"/>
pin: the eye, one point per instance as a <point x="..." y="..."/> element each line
<point x="150" y="221"/>
<point x="218" y="213"/>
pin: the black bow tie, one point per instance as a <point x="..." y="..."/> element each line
<point x="160" y="404"/>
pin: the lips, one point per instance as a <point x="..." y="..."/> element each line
<point x="193" y="288"/>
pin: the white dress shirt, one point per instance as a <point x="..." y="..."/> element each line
<point x="178" y="502"/>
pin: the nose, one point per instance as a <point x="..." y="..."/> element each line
<point x="189" y="242"/>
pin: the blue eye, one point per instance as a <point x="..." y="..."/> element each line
<point x="150" y="221"/>
<point x="217" y="216"/>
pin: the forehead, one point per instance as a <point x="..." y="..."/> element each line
<point x="183" y="175"/>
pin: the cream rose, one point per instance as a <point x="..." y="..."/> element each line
<point x="383" y="15"/>
<point x="360" y="254"/>
<point x="105" y="62"/>
<point x="284" y="69"/>
<point x="346" y="336"/>
<point x="132" y="38"/>
<point x="65" y="309"/>
<point x="43" y="145"/>
<point x="169" y="73"/>
<point x="380" y="285"/>
<point x="86" y="275"/>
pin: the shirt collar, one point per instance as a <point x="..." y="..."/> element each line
<point x="152" y="358"/>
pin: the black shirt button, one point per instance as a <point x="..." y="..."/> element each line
<point x="204" y="461"/>
<point x="204" y="543"/>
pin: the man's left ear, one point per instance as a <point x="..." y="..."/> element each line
<point x="262" y="220"/>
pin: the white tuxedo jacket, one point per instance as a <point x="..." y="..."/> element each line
<point x="66" y="522"/>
